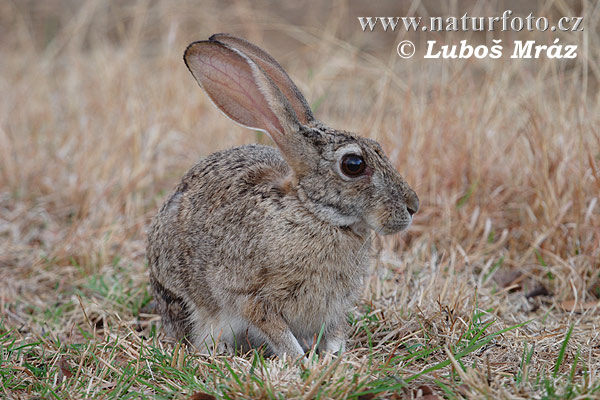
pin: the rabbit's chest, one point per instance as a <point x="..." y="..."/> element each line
<point x="324" y="293"/>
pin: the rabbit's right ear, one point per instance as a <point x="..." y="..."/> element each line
<point x="242" y="91"/>
<point x="273" y="70"/>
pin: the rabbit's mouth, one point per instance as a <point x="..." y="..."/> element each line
<point x="387" y="223"/>
<point x="396" y="226"/>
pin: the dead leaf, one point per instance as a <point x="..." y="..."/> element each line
<point x="509" y="278"/>
<point x="539" y="290"/>
<point x="425" y="390"/>
<point x="202" y="396"/>
<point x="368" y="396"/>
<point x="64" y="368"/>
<point x="464" y="390"/>
<point x="571" y="305"/>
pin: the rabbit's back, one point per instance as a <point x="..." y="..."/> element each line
<point x="191" y="225"/>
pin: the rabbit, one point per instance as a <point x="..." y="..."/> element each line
<point x="270" y="246"/>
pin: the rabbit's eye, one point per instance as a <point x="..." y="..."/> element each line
<point x="353" y="165"/>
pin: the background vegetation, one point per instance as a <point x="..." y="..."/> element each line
<point x="493" y="292"/>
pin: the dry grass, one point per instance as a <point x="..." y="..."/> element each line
<point x="99" y="118"/>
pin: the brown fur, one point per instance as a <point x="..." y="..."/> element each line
<point x="258" y="245"/>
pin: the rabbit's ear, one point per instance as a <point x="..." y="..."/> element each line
<point x="242" y="91"/>
<point x="273" y="70"/>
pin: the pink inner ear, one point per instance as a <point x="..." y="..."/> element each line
<point x="228" y="79"/>
<point x="273" y="71"/>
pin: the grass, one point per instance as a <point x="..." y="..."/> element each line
<point x="492" y="293"/>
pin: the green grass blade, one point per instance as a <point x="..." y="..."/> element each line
<point x="561" y="353"/>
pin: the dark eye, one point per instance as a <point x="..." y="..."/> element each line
<point x="353" y="165"/>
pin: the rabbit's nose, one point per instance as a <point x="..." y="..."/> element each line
<point x="412" y="202"/>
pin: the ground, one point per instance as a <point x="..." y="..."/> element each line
<point x="492" y="293"/>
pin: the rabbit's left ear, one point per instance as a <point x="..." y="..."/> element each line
<point x="274" y="71"/>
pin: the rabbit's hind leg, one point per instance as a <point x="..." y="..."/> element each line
<point x="174" y="312"/>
